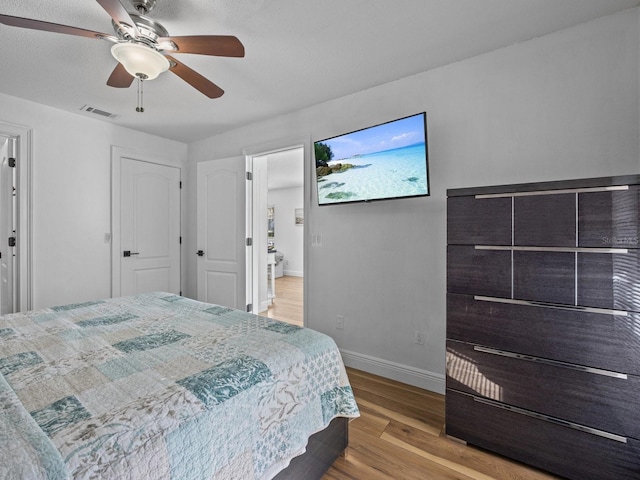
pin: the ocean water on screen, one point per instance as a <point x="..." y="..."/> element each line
<point x="400" y="172"/>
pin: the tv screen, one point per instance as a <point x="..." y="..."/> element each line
<point x="385" y="161"/>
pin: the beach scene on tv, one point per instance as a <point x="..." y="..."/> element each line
<point x="385" y="161"/>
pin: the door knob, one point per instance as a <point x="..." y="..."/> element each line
<point x="128" y="253"/>
<point x="200" y="253"/>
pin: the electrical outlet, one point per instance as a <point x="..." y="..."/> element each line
<point x="419" y="338"/>
<point x="340" y="322"/>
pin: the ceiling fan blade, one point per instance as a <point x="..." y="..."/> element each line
<point x="218" y="45"/>
<point x="193" y="78"/>
<point x="119" y="14"/>
<point x="120" y="78"/>
<point x="52" y="27"/>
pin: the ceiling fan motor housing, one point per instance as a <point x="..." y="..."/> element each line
<point x="149" y="30"/>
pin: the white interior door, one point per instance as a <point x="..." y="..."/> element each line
<point x="220" y="232"/>
<point x="7" y="226"/>
<point x="149" y="227"/>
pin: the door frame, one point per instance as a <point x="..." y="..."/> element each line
<point x="117" y="154"/>
<point x="275" y="146"/>
<point x="8" y="275"/>
<point x="24" y="244"/>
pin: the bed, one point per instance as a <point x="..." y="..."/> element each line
<point x="159" y="386"/>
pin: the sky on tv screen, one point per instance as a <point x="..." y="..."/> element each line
<point x="396" y="134"/>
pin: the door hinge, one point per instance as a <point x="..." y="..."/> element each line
<point x="12" y="241"/>
<point x="249" y="176"/>
<point x="12" y="162"/>
<point x="249" y="307"/>
<point x="180" y="183"/>
<point x="249" y="241"/>
<point x="180" y="240"/>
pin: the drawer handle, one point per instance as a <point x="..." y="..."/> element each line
<point x="531" y="303"/>
<point x="554" y="192"/>
<point x="550" y="419"/>
<point x="533" y="248"/>
<point x="547" y="361"/>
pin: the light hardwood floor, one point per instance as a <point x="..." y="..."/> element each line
<point x="287" y="306"/>
<point x="399" y="436"/>
<point x="400" y="433"/>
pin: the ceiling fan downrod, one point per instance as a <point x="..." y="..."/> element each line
<point x="143" y="6"/>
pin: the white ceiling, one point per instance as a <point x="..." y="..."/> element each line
<point x="298" y="52"/>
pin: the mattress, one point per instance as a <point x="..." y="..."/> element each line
<point x="159" y="386"/>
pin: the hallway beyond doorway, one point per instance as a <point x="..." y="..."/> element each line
<point x="288" y="304"/>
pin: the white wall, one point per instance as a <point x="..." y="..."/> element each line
<point x="288" y="236"/>
<point x="71" y="204"/>
<point x="557" y="107"/>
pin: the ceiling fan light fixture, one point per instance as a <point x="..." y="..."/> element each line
<point x="139" y="60"/>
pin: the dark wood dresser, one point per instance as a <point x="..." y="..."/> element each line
<point x="543" y="324"/>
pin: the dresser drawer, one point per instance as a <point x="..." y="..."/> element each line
<point x="544" y="276"/>
<point x="609" y="280"/>
<point x="482" y="221"/>
<point x="545" y="220"/>
<point x="559" y="449"/>
<point x="609" y="219"/>
<point x="481" y="272"/>
<point x="600" y="340"/>
<point x="593" y="398"/>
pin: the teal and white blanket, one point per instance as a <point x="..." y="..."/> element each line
<point x="159" y="386"/>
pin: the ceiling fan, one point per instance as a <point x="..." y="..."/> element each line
<point x="143" y="47"/>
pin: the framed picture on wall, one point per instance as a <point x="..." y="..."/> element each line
<point x="271" y="222"/>
<point x="299" y="214"/>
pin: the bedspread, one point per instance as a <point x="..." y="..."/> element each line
<point x="159" y="386"/>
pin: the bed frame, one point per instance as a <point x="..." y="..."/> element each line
<point x="323" y="449"/>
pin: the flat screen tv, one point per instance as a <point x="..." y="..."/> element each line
<point x="381" y="162"/>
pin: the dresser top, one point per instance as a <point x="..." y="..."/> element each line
<point x="543" y="186"/>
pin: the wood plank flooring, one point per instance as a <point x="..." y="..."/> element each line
<point x="400" y="433"/>
<point x="288" y="304"/>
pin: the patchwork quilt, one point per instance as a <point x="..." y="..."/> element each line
<point x="158" y="386"/>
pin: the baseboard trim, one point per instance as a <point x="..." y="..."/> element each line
<point x="417" y="377"/>
<point x="293" y="273"/>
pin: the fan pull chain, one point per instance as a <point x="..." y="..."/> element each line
<point x="140" y="108"/>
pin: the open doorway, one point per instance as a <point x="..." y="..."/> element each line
<point x="8" y="253"/>
<point x="15" y="218"/>
<point x="276" y="264"/>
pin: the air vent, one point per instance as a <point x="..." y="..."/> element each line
<point x="97" y="111"/>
